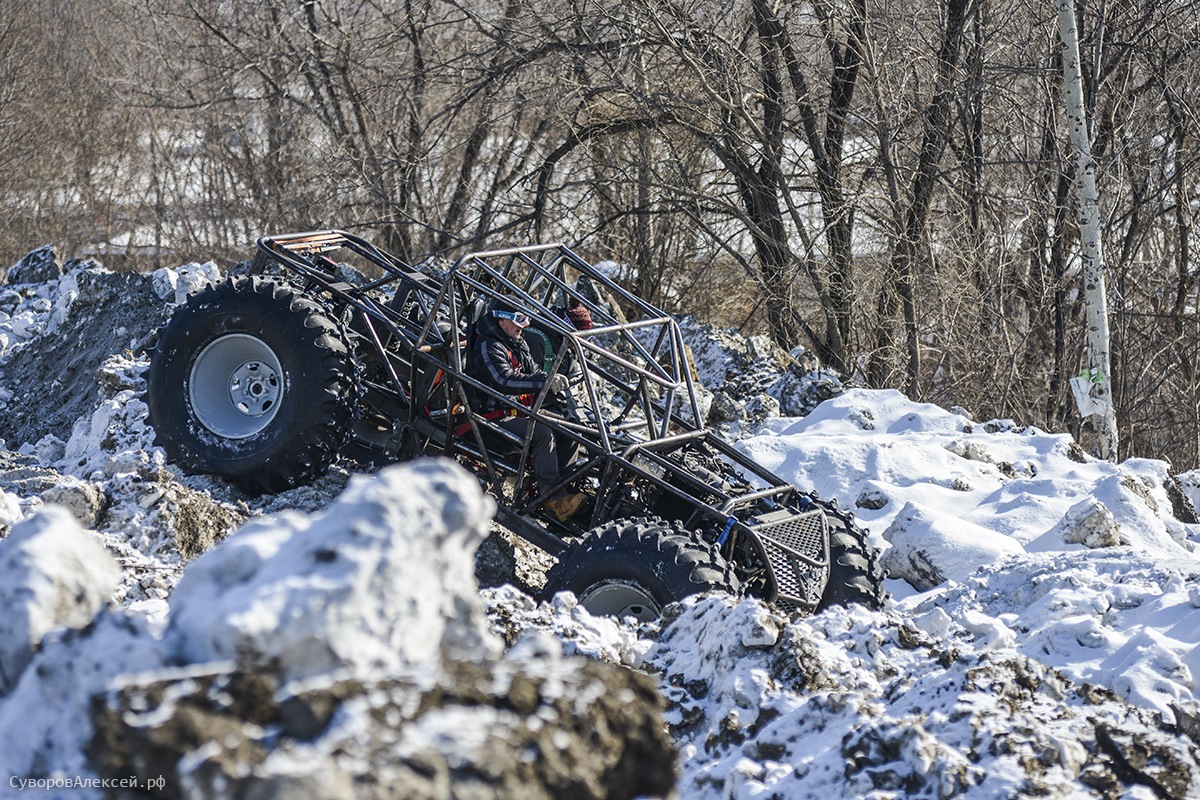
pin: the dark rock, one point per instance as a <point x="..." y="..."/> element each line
<point x="725" y="409"/>
<point x="306" y="715"/>
<point x="496" y="561"/>
<point x="872" y="500"/>
<point x="1181" y="506"/>
<point x="37" y="266"/>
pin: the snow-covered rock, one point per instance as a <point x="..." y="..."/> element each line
<point x="1088" y="522"/>
<point x="176" y="284"/>
<point x="346" y="654"/>
<point x="929" y="548"/>
<point x="383" y="580"/>
<point x="532" y="726"/>
<point x="53" y="575"/>
<point x="83" y="499"/>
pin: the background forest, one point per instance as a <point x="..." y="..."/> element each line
<point x="885" y="183"/>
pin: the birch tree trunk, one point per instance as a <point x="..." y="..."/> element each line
<point x="1098" y="370"/>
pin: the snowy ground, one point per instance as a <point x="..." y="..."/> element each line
<point x="1053" y="604"/>
<point x="1041" y="641"/>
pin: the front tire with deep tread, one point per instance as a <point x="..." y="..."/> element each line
<point x="855" y="573"/>
<point x="636" y="567"/>
<point x="225" y="339"/>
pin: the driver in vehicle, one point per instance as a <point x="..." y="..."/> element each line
<point x="500" y="358"/>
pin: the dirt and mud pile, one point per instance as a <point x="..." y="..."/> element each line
<point x="79" y="314"/>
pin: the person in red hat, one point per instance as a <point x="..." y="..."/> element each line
<point x="578" y="315"/>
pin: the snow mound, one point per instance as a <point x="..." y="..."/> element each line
<point x="382" y="580"/>
<point x="1111" y="617"/>
<point x="938" y="481"/>
<point x="344" y="653"/>
<point x="55" y="335"/>
<point x="928" y="549"/>
<point x="91" y="450"/>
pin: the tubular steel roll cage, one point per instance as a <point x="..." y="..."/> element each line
<point x="421" y="393"/>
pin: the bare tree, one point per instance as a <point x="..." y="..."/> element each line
<point x="912" y="211"/>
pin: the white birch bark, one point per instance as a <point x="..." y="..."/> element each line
<point x="1098" y="370"/>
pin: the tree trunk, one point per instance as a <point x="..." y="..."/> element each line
<point x="1098" y="369"/>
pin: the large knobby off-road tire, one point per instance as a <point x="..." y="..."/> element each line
<point x="855" y="574"/>
<point x="636" y="567"/>
<point x="253" y="381"/>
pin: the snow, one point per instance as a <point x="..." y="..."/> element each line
<point x="916" y="701"/>
<point x="10" y="511"/>
<point x="53" y="575"/>
<point x="355" y="589"/>
<point x="918" y="469"/>
<point x="45" y="724"/>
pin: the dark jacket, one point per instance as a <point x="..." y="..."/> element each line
<point x="503" y="363"/>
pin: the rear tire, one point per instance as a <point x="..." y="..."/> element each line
<point x="253" y="381"/>
<point x="637" y="567"/>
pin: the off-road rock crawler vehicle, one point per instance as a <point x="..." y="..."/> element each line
<point x="267" y="378"/>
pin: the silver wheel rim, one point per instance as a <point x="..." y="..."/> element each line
<point x="621" y="599"/>
<point x="236" y="386"/>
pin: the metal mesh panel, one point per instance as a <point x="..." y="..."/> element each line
<point x="800" y="585"/>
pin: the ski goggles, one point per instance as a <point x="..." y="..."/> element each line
<point x="519" y="318"/>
